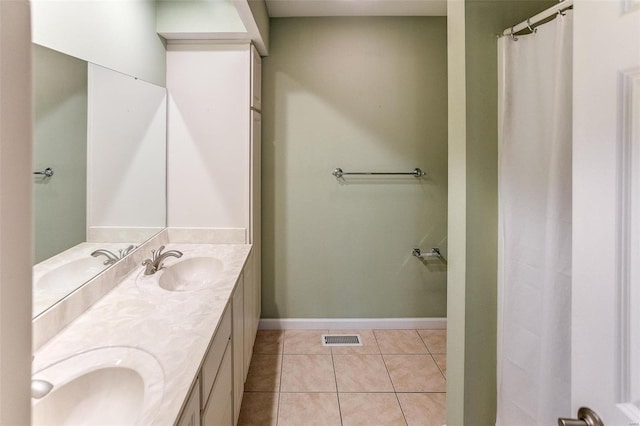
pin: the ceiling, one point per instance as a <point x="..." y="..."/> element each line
<point x="300" y="8"/>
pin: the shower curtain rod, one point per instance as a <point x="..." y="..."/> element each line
<point x="533" y="21"/>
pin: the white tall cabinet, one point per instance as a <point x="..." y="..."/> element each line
<point x="255" y="230"/>
<point x="214" y="174"/>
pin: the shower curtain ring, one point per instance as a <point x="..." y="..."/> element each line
<point x="561" y="13"/>
<point x="513" y="36"/>
<point x="533" y="30"/>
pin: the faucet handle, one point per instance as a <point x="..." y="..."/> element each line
<point x="157" y="253"/>
<point x="149" y="266"/>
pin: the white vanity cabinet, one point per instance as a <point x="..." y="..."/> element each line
<point x="238" y="347"/>
<point x="214" y="132"/>
<point x="216" y="374"/>
<point x="191" y="413"/>
<point x="213" y="126"/>
<point x="251" y="309"/>
<point x="216" y="396"/>
<point x="253" y="269"/>
<point x="256" y="79"/>
<point x="210" y="400"/>
<point x="246" y="305"/>
<point x="218" y="410"/>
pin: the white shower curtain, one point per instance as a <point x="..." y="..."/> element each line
<point x="534" y="290"/>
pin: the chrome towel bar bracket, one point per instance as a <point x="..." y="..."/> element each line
<point x="48" y="172"/>
<point x="338" y="173"/>
<point x="434" y="253"/>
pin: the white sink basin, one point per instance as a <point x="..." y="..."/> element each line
<point x="191" y="274"/>
<point x="104" y="386"/>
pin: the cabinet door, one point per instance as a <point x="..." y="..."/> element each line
<point x="249" y="308"/>
<point x="256" y="222"/>
<point x="213" y="358"/>
<point x="255" y="193"/>
<point x="191" y="414"/>
<point x="218" y="410"/>
<point x="238" y="347"/>
<point x="256" y="79"/>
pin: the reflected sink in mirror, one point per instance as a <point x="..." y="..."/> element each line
<point x="196" y="273"/>
<point x="103" y="386"/>
<point x="56" y="284"/>
<point x="55" y="278"/>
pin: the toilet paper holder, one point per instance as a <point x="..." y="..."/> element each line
<point x="434" y="253"/>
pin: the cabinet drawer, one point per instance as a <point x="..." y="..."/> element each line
<point x="218" y="409"/>
<point x="191" y="413"/>
<point x="215" y="354"/>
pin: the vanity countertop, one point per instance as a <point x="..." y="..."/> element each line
<point x="174" y="327"/>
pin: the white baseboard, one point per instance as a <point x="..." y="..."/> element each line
<point x="351" y="323"/>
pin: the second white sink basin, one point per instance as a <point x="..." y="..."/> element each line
<point x="104" y="386"/>
<point x="191" y="274"/>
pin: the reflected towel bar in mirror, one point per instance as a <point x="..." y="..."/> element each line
<point x="338" y="173"/>
<point x="48" y="172"/>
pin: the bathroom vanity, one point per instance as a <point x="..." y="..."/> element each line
<point x="178" y="343"/>
<point x="173" y="347"/>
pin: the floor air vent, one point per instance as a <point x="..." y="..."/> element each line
<point x="341" y="340"/>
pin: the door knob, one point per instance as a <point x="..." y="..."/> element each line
<point x="586" y="417"/>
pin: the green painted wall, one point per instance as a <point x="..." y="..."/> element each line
<point x="457" y="220"/>
<point x="360" y="94"/>
<point x="261" y="17"/>
<point x="198" y="16"/>
<point x="484" y="19"/>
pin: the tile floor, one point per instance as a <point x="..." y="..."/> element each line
<point x="397" y="377"/>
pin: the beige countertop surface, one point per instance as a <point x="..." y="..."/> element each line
<point x="174" y="327"/>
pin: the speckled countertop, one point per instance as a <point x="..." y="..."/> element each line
<point x="174" y="327"/>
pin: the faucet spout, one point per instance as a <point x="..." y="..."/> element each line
<point x="111" y="257"/>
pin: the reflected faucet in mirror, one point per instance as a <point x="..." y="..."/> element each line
<point x="154" y="264"/>
<point x="111" y="256"/>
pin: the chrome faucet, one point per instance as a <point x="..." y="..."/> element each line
<point x="154" y="264"/>
<point x="112" y="257"/>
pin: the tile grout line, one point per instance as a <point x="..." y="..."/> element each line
<point x="425" y="345"/>
<point x="444" y="376"/>
<point x="280" y="381"/>
<point x="434" y="358"/>
<point x="439" y="368"/>
<point x="335" y="377"/>
<point x="395" y="393"/>
<point x="337" y="393"/>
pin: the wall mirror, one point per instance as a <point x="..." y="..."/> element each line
<point x="99" y="159"/>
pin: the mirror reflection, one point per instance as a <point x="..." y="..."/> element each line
<point x="99" y="161"/>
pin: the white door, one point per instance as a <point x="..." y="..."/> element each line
<point x="606" y="210"/>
